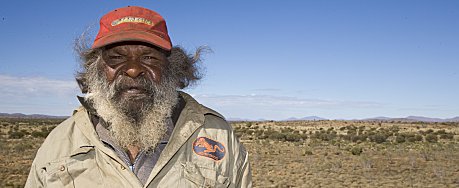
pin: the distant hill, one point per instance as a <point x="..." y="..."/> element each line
<point x="30" y="116"/>
<point x="414" y="119"/>
<point x="238" y="119"/>
<point x="308" y="118"/>
<point x="454" y="119"/>
<point x="380" y="118"/>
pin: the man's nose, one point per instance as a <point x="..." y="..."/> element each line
<point x="134" y="69"/>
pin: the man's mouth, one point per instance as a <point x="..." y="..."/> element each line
<point x="133" y="91"/>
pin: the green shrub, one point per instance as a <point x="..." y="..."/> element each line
<point x="307" y="152"/>
<point x="21" y="147"/>
<point x="277" y="136"/>
<point x="432" y="138"/>
<point x="16" y="135"/>
<point x="378" y="138"/>
<point x="447" y="136"/>
<point x="292" y="137"/>
<point x="356" y="150"/>
<point x="357" y="138"/>
<point x="413" y="137"/>
<point x="38" y="134"/>
<point x="440" y="132"/>
<point x="324" y="135"/>
<point x="400" y="138"/>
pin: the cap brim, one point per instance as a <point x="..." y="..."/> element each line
<point x="133" y="36"/>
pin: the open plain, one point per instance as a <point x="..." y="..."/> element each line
<point x="299" y="153"/>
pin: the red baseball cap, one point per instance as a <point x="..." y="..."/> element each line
<point x="133" y="23"/>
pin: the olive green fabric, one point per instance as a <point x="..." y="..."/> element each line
<point x="73" y="156"/>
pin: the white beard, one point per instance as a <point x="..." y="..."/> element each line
<point x="145" y="132"/>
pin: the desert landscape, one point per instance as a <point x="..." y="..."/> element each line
<point x="325" y="153"/>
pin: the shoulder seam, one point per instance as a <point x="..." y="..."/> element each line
<point x="207" y="110"/>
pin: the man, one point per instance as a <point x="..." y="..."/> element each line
<point x="134" y="128"/>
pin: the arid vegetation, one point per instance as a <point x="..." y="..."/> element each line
<point x="299" y="154"/>
<point x="19" y="140"/>
<point x="352" y="153"/>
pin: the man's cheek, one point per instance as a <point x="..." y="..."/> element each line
<point x="110" y="73"/>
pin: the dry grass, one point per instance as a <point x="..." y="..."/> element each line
<point x="19" y="141"/>
<point x="328" y="161"/>
<point x="300" y="154"/>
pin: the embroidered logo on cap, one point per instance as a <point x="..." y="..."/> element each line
<point x="209" y="148"/>
<point x="130" y="19"/>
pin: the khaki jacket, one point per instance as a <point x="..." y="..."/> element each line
<point x="203" y="151"/>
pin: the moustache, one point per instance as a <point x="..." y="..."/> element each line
<point x="124" y="83"/>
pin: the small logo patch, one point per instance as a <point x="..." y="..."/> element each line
<point x="209" y="148"/>
<point x="130" y="19"/>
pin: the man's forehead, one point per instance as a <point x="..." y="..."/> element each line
<point x="132" y="44"/>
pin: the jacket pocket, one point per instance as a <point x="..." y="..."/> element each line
<point x="78" y="170"/>
<point x="199" y="176"/>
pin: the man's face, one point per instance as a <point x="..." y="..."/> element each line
<point x="133" y="89"/>
<point x="134" y="69"/>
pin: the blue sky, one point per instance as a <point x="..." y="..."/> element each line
<point x="271" y="59"/>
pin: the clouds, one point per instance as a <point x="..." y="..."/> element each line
<point x="58" y="97"/>
<point x="280" y="107"/>
<point x="37" y="95"/>
<point x="282" y="101"/>
<point x="34" y="86"/>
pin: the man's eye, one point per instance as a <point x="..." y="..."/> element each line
<point x="149" y="58"/>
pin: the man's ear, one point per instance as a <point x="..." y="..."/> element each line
<point x="82" y="84"/>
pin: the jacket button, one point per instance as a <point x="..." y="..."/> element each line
<point x="122" y="167"/>
<point x="62" y="168"/>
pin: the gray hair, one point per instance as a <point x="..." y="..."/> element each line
<point x="183" y="67"/>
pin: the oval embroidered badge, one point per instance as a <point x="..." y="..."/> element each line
<point x="207" y="147"/>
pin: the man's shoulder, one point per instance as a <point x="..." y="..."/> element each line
<point x="67" y="129"/>
<point x="211" y="117"/>
<point x="192" y="103"/>
<point x="62" y="140"/>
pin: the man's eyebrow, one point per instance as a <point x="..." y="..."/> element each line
<point x="118" y="50"/>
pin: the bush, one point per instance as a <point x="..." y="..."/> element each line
<point x="357" y="138"/>
<point x="413" y="138"/>
<point x="21" y="147"/>
<point x="277" y="136"/>
<point x="249" y="131"/>
<point x="307" y="152"/>
<point x="440" y="132"/>
<point x="38" y="134"/>
<point x="378" y="138"/>
<point x="324" y="135"/>
<point x="400" y="138"/>
<point x="447" y="136"/>
<point x="432" y="138"/>
<point x="356" y="150"/>
<point x="16" y="135"/>
<point x="292" y="137"/>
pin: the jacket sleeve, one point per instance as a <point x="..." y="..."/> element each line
<point x="245" y="174"/>
<point x="35" y="177"/>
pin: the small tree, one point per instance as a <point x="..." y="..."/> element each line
<point x="432" y="138"/>
<point x="400" y="138"/>
<point x="356" y="150"/>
